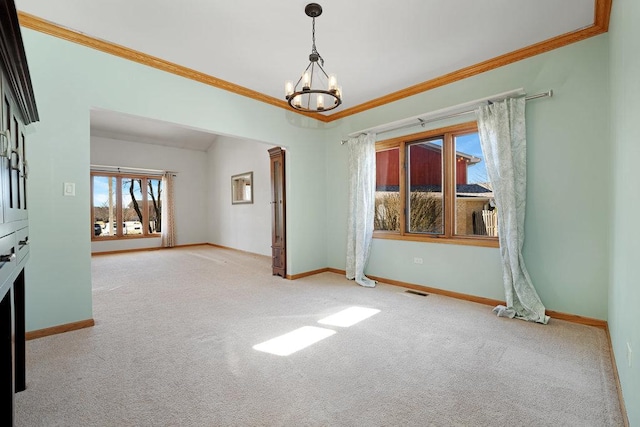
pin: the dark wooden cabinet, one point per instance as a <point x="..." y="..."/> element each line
<point x="17" y="110"/>
<point x="278" y="213"/>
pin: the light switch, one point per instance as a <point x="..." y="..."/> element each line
<point x="69" y="188"/>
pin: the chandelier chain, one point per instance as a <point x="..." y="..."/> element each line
<point x="313" y="39"/>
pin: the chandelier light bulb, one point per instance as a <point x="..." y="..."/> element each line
<point x="333" y="82"/>
<point x="306" y="81"/>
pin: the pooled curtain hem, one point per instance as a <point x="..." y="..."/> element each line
<point x="511" y="313"/>
<point x="364" y="281"/>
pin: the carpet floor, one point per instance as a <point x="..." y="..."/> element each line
<point x="173" y="346"/>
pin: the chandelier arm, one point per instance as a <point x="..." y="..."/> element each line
<point x="313" y="67"/>
<point x="323" y="72"/>
<point x="295" y="88"/>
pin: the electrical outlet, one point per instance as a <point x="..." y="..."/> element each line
<point x="629" y="354"/>
<point x="417" y="260"/>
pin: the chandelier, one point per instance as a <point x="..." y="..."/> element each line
<point x="315" y="91"/>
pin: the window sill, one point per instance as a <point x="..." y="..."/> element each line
<point x="486" y="242"/>
<point x="134" y="237"/>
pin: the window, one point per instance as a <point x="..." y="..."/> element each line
<point x="433" y="186"/>
<point x="125" y="206"/>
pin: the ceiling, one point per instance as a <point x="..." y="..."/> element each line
<point x="114" y="125"/>
<point x="376" y="48"/>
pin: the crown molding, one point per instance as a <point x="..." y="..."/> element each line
<point x="38" y="24"/>
<point x="600" y="26"/>
<point x="602" y="13"/>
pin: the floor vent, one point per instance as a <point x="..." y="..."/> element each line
<point x="422" y="294"/>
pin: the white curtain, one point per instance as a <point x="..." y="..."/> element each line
<point x="362" y="187"/>
<point x="168" y="220"/>
<point x="502" y="132"/>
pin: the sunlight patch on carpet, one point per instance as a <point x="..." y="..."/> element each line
<point x="349" y="317"/>
<point x="289" y="343"/>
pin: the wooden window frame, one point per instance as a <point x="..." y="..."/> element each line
<point x="144" y="208"/>
<point x="448" y="236"/>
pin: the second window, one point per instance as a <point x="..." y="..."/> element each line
<point x="434" y="185"/>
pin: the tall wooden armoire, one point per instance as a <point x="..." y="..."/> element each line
<point x="278" y="213"/>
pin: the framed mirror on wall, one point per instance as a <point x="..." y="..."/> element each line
<point x="242" y="188"/>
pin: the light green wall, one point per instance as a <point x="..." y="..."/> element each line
<point x="568" y="172"/>
<point x="70" y="79"/>
<point x="246" y="227"/>
<point x="567" y="242"/>
<point x="624" y="292"/>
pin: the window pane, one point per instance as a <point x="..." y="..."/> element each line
<point x="154" y="194"/>
<point x="387" y="213"/>
<point x="475" y="207"/>
<point x="425" y="207"/>
<point x="104" y="205"/>
<point x="132" y="206"/>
